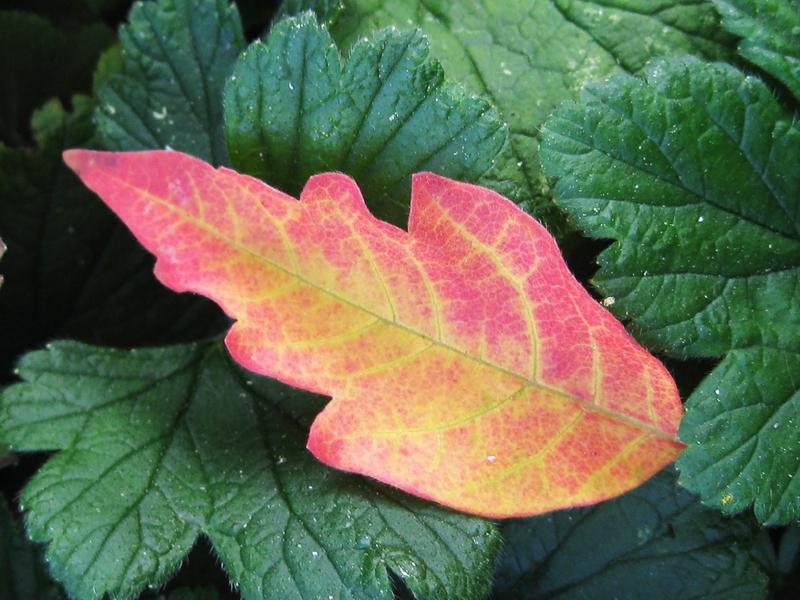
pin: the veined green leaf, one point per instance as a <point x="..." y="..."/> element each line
<point x="528" y="56"/>
<point x="694" y="170"/>
<point x="292" y="110"/>
<point x="159" y="446"/>
<point x="176" y="55"/>
<point x="770" y="31"/>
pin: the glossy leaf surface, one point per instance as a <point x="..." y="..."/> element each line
<point x="466" y="364"/>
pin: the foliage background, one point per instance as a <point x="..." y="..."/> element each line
<point x="50" y="50"/>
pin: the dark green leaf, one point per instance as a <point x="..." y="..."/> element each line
<point x="654" y="543"/>
<point x="40" y="62"/>
<point x="162" y="445"/>
<point x="108" y="65"/>
<point x="176" y="55"/>
<point x="743" y="430"/>
<point x="694" y="171"/>
<point x="530" y="55"/>
<point x="22" y="572"/>
<point x="771" y="35"/>
<point x="293" y="110"/>
<point x="71" y="268"/>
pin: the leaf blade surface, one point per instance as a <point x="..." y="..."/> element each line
<point x="532" y="396"/>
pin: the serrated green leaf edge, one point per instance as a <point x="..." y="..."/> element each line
<point x="637" y="166"/>
<point x="294" y="108"/>
<point x="528" y="56"/>
<point x="162" y="445"/>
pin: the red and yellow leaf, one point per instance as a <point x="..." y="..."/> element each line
<point x="465" y="363"/>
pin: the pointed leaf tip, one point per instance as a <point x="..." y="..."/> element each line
<point x="78" y="159"/>
<point x="73" y="158"/>
<point x="465" y="363"/>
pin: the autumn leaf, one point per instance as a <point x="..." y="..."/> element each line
<point x="466" y="364"/>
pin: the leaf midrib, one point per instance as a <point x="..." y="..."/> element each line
<point x="187" y="217"/>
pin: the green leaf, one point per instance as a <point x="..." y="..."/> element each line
<point x="41" y="62"/>
<point x="743" y="432"/>
<point x="694" y="171"/>
<point x="529" y="56"/>
<point x="22" y="572"/>
<point x="656" y="543"/>
<point x="771" y="35"/>
<point x="162" y="445"/>
<point x="71" y="268"/>
<point x="108" y="65"/>
<point x="176" y="55"/>
<point x="292" y="110"/>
